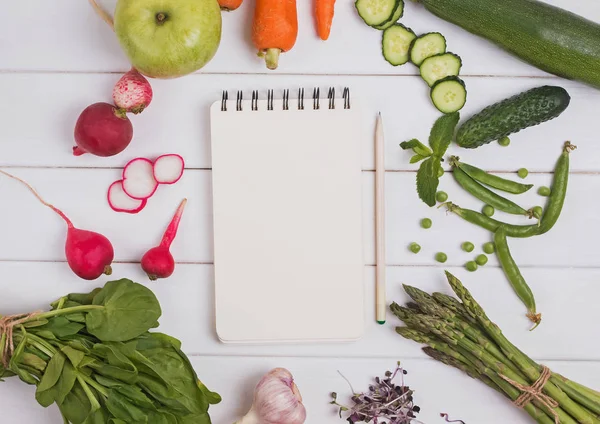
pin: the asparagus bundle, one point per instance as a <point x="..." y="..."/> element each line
<point x="459" y="334"/>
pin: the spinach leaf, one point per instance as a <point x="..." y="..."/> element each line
<point x="76" y="407"/>
<point x="74" y="355"/>
<point x="61" y="327"/>
<point x="117" y="365"/>
<point x="122" y="408"/>
<point x="53" y="372"/>
<point x="130" y="310"/>
<point x="65" y="383"/>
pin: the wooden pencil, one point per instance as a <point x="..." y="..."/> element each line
<point x="381" y="306"/>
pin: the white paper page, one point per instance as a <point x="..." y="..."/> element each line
<point x="288" y="228"/>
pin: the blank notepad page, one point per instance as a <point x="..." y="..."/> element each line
<point x="287" y="223"/>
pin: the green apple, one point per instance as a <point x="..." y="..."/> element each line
<point x="168" y="38"/>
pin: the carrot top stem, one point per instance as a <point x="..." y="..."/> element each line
<point x="272" y="58"/>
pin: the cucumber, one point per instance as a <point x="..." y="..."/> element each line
<point x="449" y="94"/>
<point x="377" y="12"/>
<point x="509" y="116"/>
<point x="396" y="43"/>
<point x="425" y="46"/>
<point x="440" y="66"/>
<point x="395" y="17"/>
<point x="554" y="40"/>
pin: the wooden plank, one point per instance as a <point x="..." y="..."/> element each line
<point x="178" y="119"/>
<point x="187" y="298"/>
<point x="37" y="234"/>
<point x="436" y="388"/>
<point x="83" y="43"/>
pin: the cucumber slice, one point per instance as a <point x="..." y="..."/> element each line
<point x="376" y="12"/>
<point x="440" y="66"/>
<point x="449" y="94"/>
<point x="395" y="17"/>
<point x="427" y="45"/>
<point x="396" y="44"/>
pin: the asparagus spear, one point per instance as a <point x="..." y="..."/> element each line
<point x="455" y="306"/>
<point x="517" y="357"/>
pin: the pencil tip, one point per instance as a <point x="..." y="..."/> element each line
<point x="381" y="322"/>
<point x="379" y="113"/>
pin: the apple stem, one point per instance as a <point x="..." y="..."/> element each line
<point x="103" y="14"/>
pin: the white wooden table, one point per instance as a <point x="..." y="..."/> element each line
<point x="56" y="57"/>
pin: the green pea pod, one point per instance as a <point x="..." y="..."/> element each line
<point x="490" y="224"/>
<point x="491" y="180"/>
<point x="486" y="195"/>
<point x="558" y="190"/>
<point x="515" y="277"/>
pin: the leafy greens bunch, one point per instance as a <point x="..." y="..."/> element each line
<point x="93" y="356"/>
<point x="430" y="170"/>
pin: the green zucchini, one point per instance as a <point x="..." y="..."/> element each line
<point x="377" y="12"/>
<point x="427" y="45"/>
<point x="440" y="66"/>
<point x="396" y="41"/>
<point x="509" y="116"/>
<point x="552" y="39"/>
<point x="398" y="13"/>
<point x="449" y="94"/>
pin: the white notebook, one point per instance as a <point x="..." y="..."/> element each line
<point x="287" y="218"/>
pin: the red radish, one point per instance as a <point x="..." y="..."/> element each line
<point x="89" y="254"/>
<point x="102" y="130"/>
<point x="138" y="179"/>
<point x="132" y="92"/>
<point x="158" y="261"/>
<point x="119" y="201"/>
<point x="168" y="169"/>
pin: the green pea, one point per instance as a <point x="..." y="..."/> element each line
<point x="537" y="211"/>
<point x="414" y="247"/>
<point x="426" y="223"/>
<point x="467" y="246"/>
<point x="489" y="247"/>
<point x="441" y="257"/>
<point x="481" y="259"/>
<point x="488" y="210"/>
<point x="544" y="191"/>
<point x="504" y="141"/>
<point x="441" y="196"/>
<point x="523" y="173"/>
<point x="440" y="173"/>
<point x="471" y="266"/>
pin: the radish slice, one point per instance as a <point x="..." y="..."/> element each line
<point x="168" y="169"/>
<point x="138" y="179"/>
<point x="119" y="201"/>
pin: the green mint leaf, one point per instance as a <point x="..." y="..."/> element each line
<point x="418" y="147"/>
<point x="417" y="158"/>
<point x="442" y="133"/>
<point x="428" y="180"/>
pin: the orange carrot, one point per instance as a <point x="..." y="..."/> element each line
<point x="324" y="10"/>
<point x="230" y="4"/>
<point x="275" y="28"/>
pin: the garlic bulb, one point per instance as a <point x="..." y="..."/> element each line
<point x="277" y="400"/>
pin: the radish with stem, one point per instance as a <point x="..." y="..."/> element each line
<point x="158" y="262"/>
<point x="89" y="254"/>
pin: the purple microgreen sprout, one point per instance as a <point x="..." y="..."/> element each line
<point x="385" y="402"/>
<point x="448" y="420"/>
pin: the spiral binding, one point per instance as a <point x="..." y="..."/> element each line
<point x="254" y="104"/>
